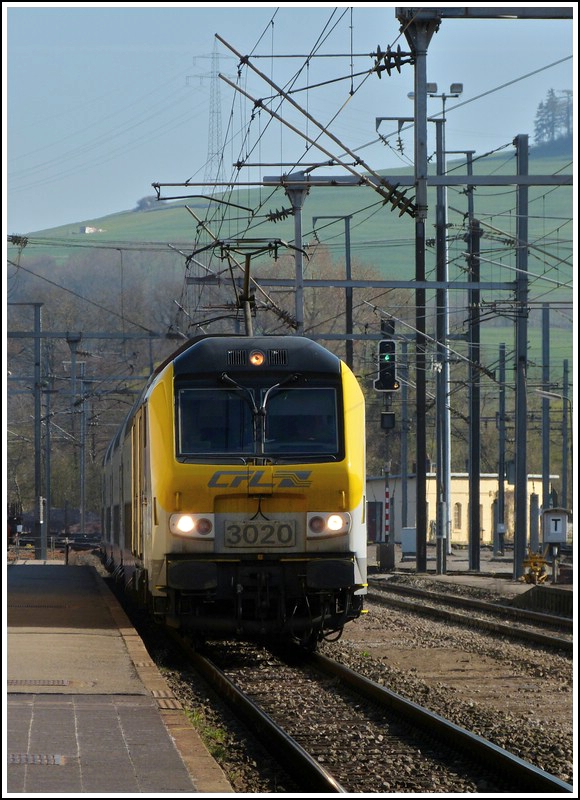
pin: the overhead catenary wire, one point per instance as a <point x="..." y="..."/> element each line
<point x="397" y="197"/>
<point x="447" y="109"/>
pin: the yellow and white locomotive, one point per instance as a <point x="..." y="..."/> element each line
<point x="234" y="492"/>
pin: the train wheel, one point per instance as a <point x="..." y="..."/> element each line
<point x="140" y="588"/>
<point x="195" y="641"/>
<point x="310" y="642"/>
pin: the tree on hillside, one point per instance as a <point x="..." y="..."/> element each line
<point x="147" y="203"/>
<point x="554" y="117"/>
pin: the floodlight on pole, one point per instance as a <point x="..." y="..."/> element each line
<point x="430" y="88"/>
<point x="554" y="396"/>
<point x="454" y="91"/>
<point x="443" y="411"/>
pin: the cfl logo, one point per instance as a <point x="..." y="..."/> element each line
<point x="281" y="479"/>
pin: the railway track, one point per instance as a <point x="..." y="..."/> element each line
<point x="543" y="629"/>
<point x="372" y="754"/>
<point x="335" y="731"/>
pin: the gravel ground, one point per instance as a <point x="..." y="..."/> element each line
<point x="516" y="695"/>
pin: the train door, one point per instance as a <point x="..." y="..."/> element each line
<point x="138" y="488"/>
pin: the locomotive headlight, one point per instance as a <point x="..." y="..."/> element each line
<point x="328" y="524"/>
<point x="257" y="358"/>
<point x="185" y="524"/>
<point x="335" y="522"/>
<point x="193" y="525"/>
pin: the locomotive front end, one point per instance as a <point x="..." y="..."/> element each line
<point x="258" y="490"/>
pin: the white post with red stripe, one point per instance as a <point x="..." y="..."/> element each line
<point x="387" y="532"/>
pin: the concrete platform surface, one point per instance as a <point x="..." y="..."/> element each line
<point x="87" y="711"/>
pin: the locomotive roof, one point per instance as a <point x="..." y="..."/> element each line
<point x="210" y="354"/>
<point x="214" y="353"/>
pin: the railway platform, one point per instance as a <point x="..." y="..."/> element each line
<point x="87" y="712"/>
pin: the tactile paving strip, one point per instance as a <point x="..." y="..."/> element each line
<point x="41" y="759"/>
<point x="40" y="682"/>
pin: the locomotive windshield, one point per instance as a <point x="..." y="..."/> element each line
<point x="280" y="423"/>
<point x="301" y="420"/>
<point x="213" y="421"/>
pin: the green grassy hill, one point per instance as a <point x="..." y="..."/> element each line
<point x="381" y="239"/>
<point x="379" y="236"/>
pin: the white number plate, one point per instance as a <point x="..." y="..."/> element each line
<point x="260" y="534"/>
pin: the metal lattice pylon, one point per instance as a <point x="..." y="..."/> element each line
<point x="214" y="163"/>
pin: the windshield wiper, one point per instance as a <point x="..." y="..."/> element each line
<point x="290" y="379"/>
<point x="225" y="378"/>
<point x="258" y="414"/>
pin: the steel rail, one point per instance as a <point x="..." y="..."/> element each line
<point x="495" y="627"/>
<point x="471" y="602"/>
<point x="299" y="764"/>
<point x="527" y="777"/>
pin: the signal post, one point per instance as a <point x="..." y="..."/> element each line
<point x="387" y="381"/>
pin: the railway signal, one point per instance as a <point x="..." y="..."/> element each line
<point x="386" y="380"/>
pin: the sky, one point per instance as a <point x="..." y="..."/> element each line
<point x="101" y="100"/>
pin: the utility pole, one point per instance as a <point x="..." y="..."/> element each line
<point x="566" y="408"/>
<point x="443" y="424"/>
<point x="39" y="529"/>
<point x="500" y="525"/>
<point x="246" y="299"/>
<point x="348" y="291"/>
<point x="48" y="391"/>
<point x="82" y="450"/>
<point x="297" y="195"/>
<point x="39" y="532"/>
<point x="474" y="313"/>
<point x="565" y="402"/>
<point x="474" y="237"/>
<point x="545" y="407"/>
<point x="418" y="33"/>
<point x="442" y="378"/>
<point x="521" y="453"/>
<point x="405" y="424"/>
<point x="73" y="340"/>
